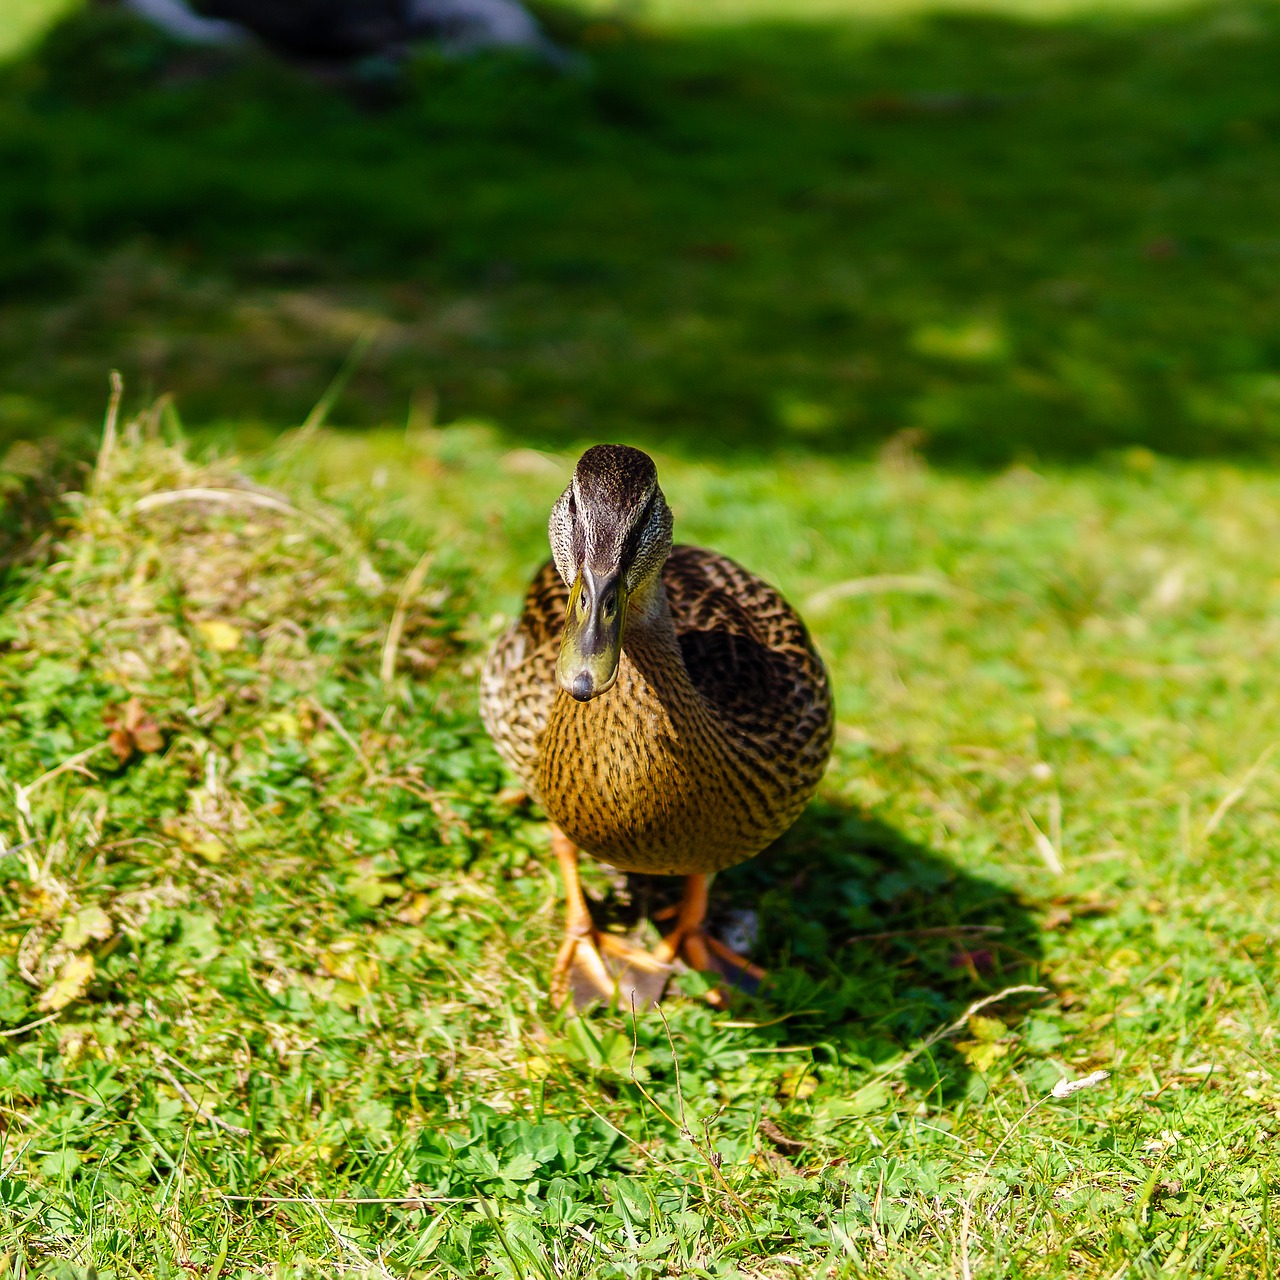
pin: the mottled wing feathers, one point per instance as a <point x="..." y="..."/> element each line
<point x="518" y="685"/>
<point x="749" y="654"/>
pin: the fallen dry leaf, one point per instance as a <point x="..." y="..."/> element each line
<point x="132" y="729"/>
<point x="90" y="922"/>
<point x="221" y="637"/>
<point x="70" y="984"/>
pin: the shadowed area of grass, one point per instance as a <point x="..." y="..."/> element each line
<point x="1014" y="239"/>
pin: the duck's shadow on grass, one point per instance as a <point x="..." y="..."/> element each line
<point x="871" y="941"/>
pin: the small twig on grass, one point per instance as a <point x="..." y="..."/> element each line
<point x="1063" y="1089"/>
<point x="1229" y="801"/>
<point x="405" y="1202"/>
<point x="777" y="1137"/>
<point x="30" y="1026"/>
<point x="412" y="585"/>
<point x="202" y="1112"/>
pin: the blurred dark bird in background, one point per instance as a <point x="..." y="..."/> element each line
<point x="348" y="30"/>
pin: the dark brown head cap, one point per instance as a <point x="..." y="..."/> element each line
<point x="612" y="516"/>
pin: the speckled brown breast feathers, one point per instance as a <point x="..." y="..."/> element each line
<point x="708" y="746"/>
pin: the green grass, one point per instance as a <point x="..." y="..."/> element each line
<point x="683" y="14"/>
<point x="1017" y="239"/>
<point x="316" y="909"/>
<point x="23" y="21"/>
<point x="918" y="312"/>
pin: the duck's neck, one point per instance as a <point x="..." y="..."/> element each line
<point x="652" y="669"/>
<point x="623" y="774"/>
<point x="649" y="613"/>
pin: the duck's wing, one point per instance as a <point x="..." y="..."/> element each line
<point x="749" y="654"/>
<point x="518" y="685"/>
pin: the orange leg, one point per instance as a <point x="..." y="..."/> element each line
<point x="580" y="971"/>
<point x="578" y="961"/>
<point x="697" y="947"/>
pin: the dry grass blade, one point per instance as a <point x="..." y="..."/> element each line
<point x="227" y="497"/>
<point x="681" y="1125"/>
<point x="264" y="500"/>
<point x="31" y="1026"/>
<point x="412" y="585"/>
<point x="404" y="1202"/>
<point x="1044" y="846"/>
<point x="340" y="729"/>
<point x="950" y="1029"/>
<point x="324" y="406"/>
<point x="1236" y="794"/>
<point x="977" y="1007"/>
<point x="1063" y="1089"/>
<point x="881" y="584"/>
<point x="107" y="448"/>
<point x="203" y="1112"/>
<point x="74" y="764"/>
<point x="349" y="1245"/>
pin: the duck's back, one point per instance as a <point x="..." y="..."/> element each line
<point x="648" y="775"/>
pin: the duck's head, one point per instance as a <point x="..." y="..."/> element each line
<point x="610" y="534"/>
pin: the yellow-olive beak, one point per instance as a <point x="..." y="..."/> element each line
<point x="592" y="642"/>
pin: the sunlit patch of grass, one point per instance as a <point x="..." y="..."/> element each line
<point x="686" y="13"/>
<point x="24" y="21"/>
<point x="286" y="936"/>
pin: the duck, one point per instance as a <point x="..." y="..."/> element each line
<point x="667" y="710"/>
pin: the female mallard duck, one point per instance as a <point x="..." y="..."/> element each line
<point x="664" y="705"/>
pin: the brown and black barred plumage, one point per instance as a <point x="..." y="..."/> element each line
<point x="718" y="726"/>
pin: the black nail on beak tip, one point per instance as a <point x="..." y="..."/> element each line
<point x="582" y="686"/>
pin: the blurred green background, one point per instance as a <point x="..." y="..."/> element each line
<point x="1040" y="233"/>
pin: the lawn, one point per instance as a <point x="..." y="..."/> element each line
<point x="281" y="938"/>
<point x="959" y="328"/>
<point x="1019" y="240"/>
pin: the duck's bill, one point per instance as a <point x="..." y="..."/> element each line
<point x="591" y="645"/>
